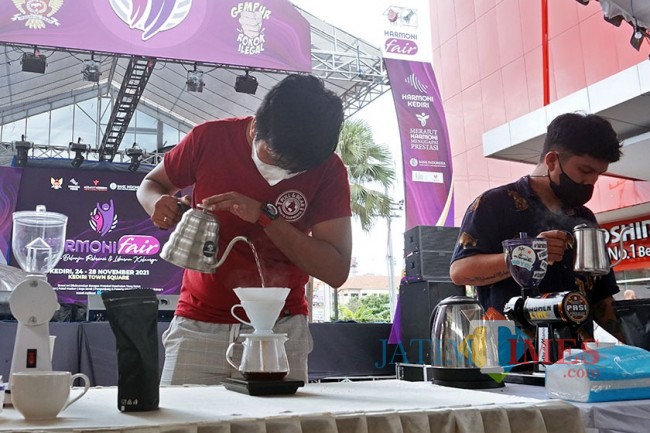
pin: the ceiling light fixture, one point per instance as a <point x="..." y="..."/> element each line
<point x="22" y="151"/>
<point x="33" y="62"/>
<point x="195" y="81"/>
<point x="246" y="84"/>
<point x="135" y="153"/>
<point x="79" y="150"/>
<point x="91" y="70"/>
<point x="637" y="35"/>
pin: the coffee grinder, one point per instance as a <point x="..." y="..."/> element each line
<point x="535" y="313"/>
<point x="38" y="239"/>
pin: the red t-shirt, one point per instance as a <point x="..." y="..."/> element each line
<point x="215" y="157"/>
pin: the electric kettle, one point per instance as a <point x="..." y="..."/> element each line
<point x="194" y="242"/>
<point x="590" y="254"/>
<point x="464" y="347"/>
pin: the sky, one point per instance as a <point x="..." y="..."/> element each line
<point x="361" y="18"/>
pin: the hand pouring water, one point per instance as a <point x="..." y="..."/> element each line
<point x="194" y="242"/>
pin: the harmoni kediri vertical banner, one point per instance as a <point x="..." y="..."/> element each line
<point x="426" y="156"/>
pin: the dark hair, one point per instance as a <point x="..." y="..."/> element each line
<point x="582" y="134"/>
<point x="300" y="120"/>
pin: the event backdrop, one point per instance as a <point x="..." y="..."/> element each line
<point x="111" y="243"/>
<point x="266" y="33"/>
<point x="426" y="156"/>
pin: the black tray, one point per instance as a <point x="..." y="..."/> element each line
<point x="263" y="387"/>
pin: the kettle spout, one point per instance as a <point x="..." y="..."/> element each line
<point x="228" y="248"/>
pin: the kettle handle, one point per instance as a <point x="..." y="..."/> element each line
<point x="229" y="355"/>
<point x="620" y="256"/>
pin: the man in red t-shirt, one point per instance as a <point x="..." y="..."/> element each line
<point x="276" y="180"/>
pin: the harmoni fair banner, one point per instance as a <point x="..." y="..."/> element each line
<point x="426" y="155"/>
<point x="110" y="242"/>
<point x="267" y="33"/>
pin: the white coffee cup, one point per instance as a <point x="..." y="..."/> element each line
<point x="43" y="394"/>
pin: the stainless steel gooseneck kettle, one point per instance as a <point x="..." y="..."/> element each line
<point x="194" y="242"/>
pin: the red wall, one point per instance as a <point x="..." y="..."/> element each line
<point x="488" y="62"/>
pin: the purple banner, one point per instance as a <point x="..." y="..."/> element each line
<point x="10" y="181"/>
<point x="111" y="243"/>
<point x="426" y="155"/>
<point x="266" y="34"/>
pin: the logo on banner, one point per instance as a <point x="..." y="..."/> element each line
<point x="152" y="16"/>
<point x="103" y="218"/>
<point x="56" y="183"/>
<point x="73" y="185"/>
<point x="37" y="13"/>
<point x="251" y="16"/>
<point x="422" y="118"/>
<point x="401" y="37"/>
<point x="413" y="81"/>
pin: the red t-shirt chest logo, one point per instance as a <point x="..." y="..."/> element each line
<point x="292" y="205"/>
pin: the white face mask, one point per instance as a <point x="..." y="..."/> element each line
<point x="272" y="173"/>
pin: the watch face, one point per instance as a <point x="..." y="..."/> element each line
<point x="271" y="210"/>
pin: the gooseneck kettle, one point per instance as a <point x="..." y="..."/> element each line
<point x="194" y="242"/>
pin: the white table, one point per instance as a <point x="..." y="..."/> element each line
<point x="340" y="407"/>
<point x="631" y="416"/>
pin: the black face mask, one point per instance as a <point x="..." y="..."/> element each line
<point x="571" y="193"/>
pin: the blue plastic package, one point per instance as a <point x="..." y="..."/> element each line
<point x="608" y="374"/>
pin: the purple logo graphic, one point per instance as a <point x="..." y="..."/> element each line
<point x="251" y="33"/>
<point x="103" y="218"/>
<point x="138" y="245"/>
<point x="401" y="46"/>
<point x="151" y="16"/>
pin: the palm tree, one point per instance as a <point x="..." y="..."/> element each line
<point x="370" y="171"/>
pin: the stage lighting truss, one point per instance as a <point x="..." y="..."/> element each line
<point x="195" y="81"/>
<point x="91" y="70"/>
<point x="246" y="84"/>
<point x="80" y="150"/>
<point x="22" y="148"/>
<point x="136" y="154"/>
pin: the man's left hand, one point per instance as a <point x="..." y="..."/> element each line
<point x="236" y="203"/>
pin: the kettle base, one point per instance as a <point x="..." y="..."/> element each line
<point x="467" y="378"/>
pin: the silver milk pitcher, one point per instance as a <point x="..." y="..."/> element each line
<point x="590" y="254"/>
<point x="194" y="242"/>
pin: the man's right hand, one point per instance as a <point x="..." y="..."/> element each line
<point x="557" y="242"/>
<point x="167" y="212"/>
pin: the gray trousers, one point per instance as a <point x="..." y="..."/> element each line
<point x="195" y="352"/>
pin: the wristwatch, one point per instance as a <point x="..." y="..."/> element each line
<point x="269" y="213"/>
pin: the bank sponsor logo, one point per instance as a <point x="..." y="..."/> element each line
<point x="56" y="183"/>
<point x="37" y="14"/>
<point x="119" y="187"/>
<point x="250" y="16"/>
<point x="292" y="205"/>
<point x="151" y="16"/>
<point x="103" y="218"/>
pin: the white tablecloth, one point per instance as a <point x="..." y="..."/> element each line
<point x="632" y="416"/>
<point x="356" y="407"/>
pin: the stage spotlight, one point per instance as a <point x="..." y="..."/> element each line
<point x="195" y="81"/>
<point x="33" y="62"/>
<point x="637" y="36"/>
<point x="22" y="151"/>
<point x="91" y="70"/>
<point x="246" y="84"/>
<point x="79" y="149"/>
<point x="135" y="153"/>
